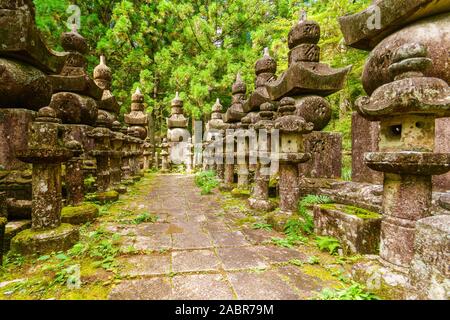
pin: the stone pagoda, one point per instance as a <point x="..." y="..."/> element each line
<point x="137" y="119"/>
<point x="46" y="151"/>
<point x="177" y="132"/>
<point x="407" y="79"/>
<point x="301" y="89"/>
<point x="216" y="127"/>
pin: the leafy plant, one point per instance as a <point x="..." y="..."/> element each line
<point x="304" y="223"/>
<point x="206" y="181"/>
<point x="289" y="242"/>
<point x="145" y="217"/>
<point x="296" y="262"/>
<point x="329" y="244"/>
<point x="355" y="292"/>
<point x="313" y="260"/>
<point x="262" y="226"/>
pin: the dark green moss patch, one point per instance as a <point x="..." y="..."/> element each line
<point x="80" y="214"/>
<point x="358" y="212"/>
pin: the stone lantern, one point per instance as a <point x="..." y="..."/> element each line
<point x="292" y="152"/>
<point x="165" y="165"/>
<point x="406" y="77"/>
<point x="407" y="109"/>
<point x="102" y="153"/>
<point x="46" y="152"/>
<point x="260" y="196"/>
<point x="117" y="143"/>
<point x="301" y="89"/>
<point x="177" y="132"/>
<point x="216" y="128"/>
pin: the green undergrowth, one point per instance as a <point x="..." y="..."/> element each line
<point x="355" y="292"/>
<point x="89" y="269"/>
<point x="355" y="211"/>
<point x="206" y="181"/>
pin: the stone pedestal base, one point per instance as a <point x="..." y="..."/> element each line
<point x="79" y="215"/>
<point x="106" y="197"/>
<point x="382" y="279"/>
<point x="278" y="220"/>
<point x="121" y="189"/>
<point x="357" y="230"/>
<point x="40" y="242"/>
<point x="12" y="229"/>
<point x="240" y="193"/>
<point x="262" y="205"/>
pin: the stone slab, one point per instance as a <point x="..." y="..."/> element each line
<point x="146" y="265"/>
<point x="142" y="289"/>
<point x="261" y="286"/>
<point x="242" y="258"/>
<point x="201" y="287"/>
<point x="229" y="239"/>
<point x="194" y="261"/>
<point x="191" y="241"/>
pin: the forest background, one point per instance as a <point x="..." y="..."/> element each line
<point x="197" y="47"/>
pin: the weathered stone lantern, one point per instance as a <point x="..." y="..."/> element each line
<point x="407" y="109"/>
<point x="407" y="79"/>
<point x="46" y="152"/>
<point x="307" y="81"/>
<point x="102" y="153"/>
<point x="260" y="196"/>
<point x="216" y="128"/>
<point x="117" y="143"/>
<point x="165" y="165"/>
<point x="292" y="128"/>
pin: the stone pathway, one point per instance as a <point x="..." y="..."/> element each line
<point x="198" y="250"/>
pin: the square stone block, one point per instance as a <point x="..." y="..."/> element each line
<point x="142" y="289"/>
<point x="357" y="230"/>
<point x="242" y="258"/>
<point x="146" y="265"/>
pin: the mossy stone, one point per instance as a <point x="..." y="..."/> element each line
<point x="121" y="189"/>
<point x="108" y="196"/>
<point x="79" y="214"/>
<point x="354" y="211"/>
<point x="278" y="220"/>
<point x="240" y="193"/>
<point x="40" y="242"/>
<point x="2" y="237"/>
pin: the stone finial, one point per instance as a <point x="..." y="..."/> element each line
<point x="73" y="41"/>
<point x="303" y="15"/>
<point x="137" y="96"/>
<point x="266" y="64"/>
<point x="217" y="107"/>
<point x="177" y="102"/>
<point x="304" y="32"/>
<point x="116" y="126"/>
<point x="102" y="71"/>
<point x="102" y="121"/>
<point x="239" y="86"/>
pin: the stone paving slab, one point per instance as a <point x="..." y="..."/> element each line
<point x="250" y="285"/>
<point x="241" y="258"/>
<point x="229" y="239"/>
<point x="142" y="289"/>
<point x="194" y="261"/>
<point x="275" y="254"/>
<point x="191" y="241"/>
<point x="206" y="253"/>
<point x="201" y="287"/>
<point x="146" y="265"/>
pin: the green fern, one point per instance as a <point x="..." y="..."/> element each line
<point x="328" y="244"/>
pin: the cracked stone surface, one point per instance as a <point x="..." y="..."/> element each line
<point x="198" y="250"/>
